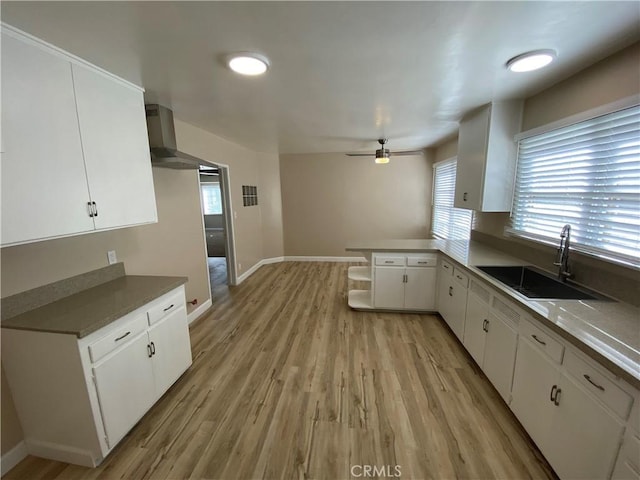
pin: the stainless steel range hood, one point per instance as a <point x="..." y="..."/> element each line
<point x="162" y="141"/>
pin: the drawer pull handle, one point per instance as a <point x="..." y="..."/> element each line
<point x="168" y="308"/>
<point x="388" y="261"/>
<point x="122" y="336"/>
<point x="445" y="267"/>
<point x="458" y="277"/>
<point x="541" y="342"/>
<point x="422" y="263"/>
<point x="599" y="387"/>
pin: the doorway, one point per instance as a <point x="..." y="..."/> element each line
<point x="218" y="227"/>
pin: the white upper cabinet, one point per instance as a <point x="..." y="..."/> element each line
<point x="116" y="149"/>
<point x="44" y="189"/>
<point x="487" y="157"/>
<point x="74" y="143"/>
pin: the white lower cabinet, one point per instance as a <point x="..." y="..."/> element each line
<point x="577" y="433"/>
<point x="125" y="386"/>
<point x="452" y="297"/>
<point x="403" y="283"/>
<point x="77" y="398"/>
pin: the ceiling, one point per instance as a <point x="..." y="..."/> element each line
<point x="342" y="73"/>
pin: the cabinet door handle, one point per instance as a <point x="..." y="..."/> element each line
<point x="90" y="208"/>
<point x="464" y="196"/>
<point x="95" y="209"/>
<point x="153" y="348"/>
<point x="538" y="340"/>
<point x="122" y="336"/>
<point x="599" y="387"/>
<point x="451" y="291"/>
<point x="149" y="354"/>
<point x="485" y="325"/>
<point x="169" y="307"/>
<point x="556" y="399"/>
<point x="553" y="393"/>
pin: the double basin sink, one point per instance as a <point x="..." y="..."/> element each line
<point x="533" y="283"/>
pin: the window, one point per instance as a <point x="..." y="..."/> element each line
<point x="586" y="174"/>
<point x="448" y="222"/>
<point x="211" y="199"/>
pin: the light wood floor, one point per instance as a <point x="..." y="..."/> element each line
<point x="288" y="382"/>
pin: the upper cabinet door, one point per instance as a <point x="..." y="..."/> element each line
<point x="44" y="190"/>
<point x="116" y="149"/>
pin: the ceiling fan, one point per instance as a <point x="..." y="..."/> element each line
<point x="383" y="154"/>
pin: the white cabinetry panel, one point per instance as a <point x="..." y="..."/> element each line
<point x="125" y="386"/>
<point x="44" y="188"/>
<point x="116" y="149"/>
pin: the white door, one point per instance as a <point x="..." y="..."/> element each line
<point x="534" y="379"/>
<point x="125" y="386"/>
<point x="499" y="354"/>
<point x="116" y="149"/>
<point x="584" y="437"/>
<point x="474" y="332"/>
<point x="171" y="349"/>
<point x="389" y="287"/>
<point x="44" y="188"/>
<point x="420" y="288"/>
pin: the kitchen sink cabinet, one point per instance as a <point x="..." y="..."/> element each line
<point x="99" y="386"/>
<point x="578" y="428"/>
<point x="487" y="157"/>
<point x="75" y="149"/>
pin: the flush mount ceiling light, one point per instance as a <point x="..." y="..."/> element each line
<point x="248" y="63"/>
<point x="531" y="60"/>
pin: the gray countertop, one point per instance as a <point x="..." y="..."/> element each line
<point x="86" y="311"/>
<point x="609" y="332"/>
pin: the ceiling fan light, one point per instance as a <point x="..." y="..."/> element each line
<point x="382" y="156"/>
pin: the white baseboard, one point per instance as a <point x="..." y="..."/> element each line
<point x="324" y="259"/>
<point x="267" y="261"/>
<point x="13" y="457"/>
<point x="199" y="311"/>
<point x="62" y="453"/>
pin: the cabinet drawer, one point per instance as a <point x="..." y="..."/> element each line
<point x="543" y="341"/>
<point x="461" y="277"/>
<point x="117" y="338"/>
<point x="600" y="386"/>
<point x="446" y="268"/>
<point x="389" y="260"/>
<point x="165" y="305"/>
<point x="422" y="261"/>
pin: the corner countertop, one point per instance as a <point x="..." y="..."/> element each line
<point x="89" y="310"/>
<point x="609" y="332"/>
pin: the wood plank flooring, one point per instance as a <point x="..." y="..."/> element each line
<point x="288" y="382"/>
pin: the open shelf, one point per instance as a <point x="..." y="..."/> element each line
<point x="360" y="299"/>
<point x="362" y="274"/>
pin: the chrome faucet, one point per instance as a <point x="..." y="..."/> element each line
<point x="562" y="259"/>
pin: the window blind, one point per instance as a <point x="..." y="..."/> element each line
<point x="448" y="222"/>
<point x="587" y="175"/>
<point x="211" y="199"/>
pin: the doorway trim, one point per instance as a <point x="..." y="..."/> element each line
<point x="229" y="228"/>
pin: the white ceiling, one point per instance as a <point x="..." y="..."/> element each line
<point x="342" y="73"/>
